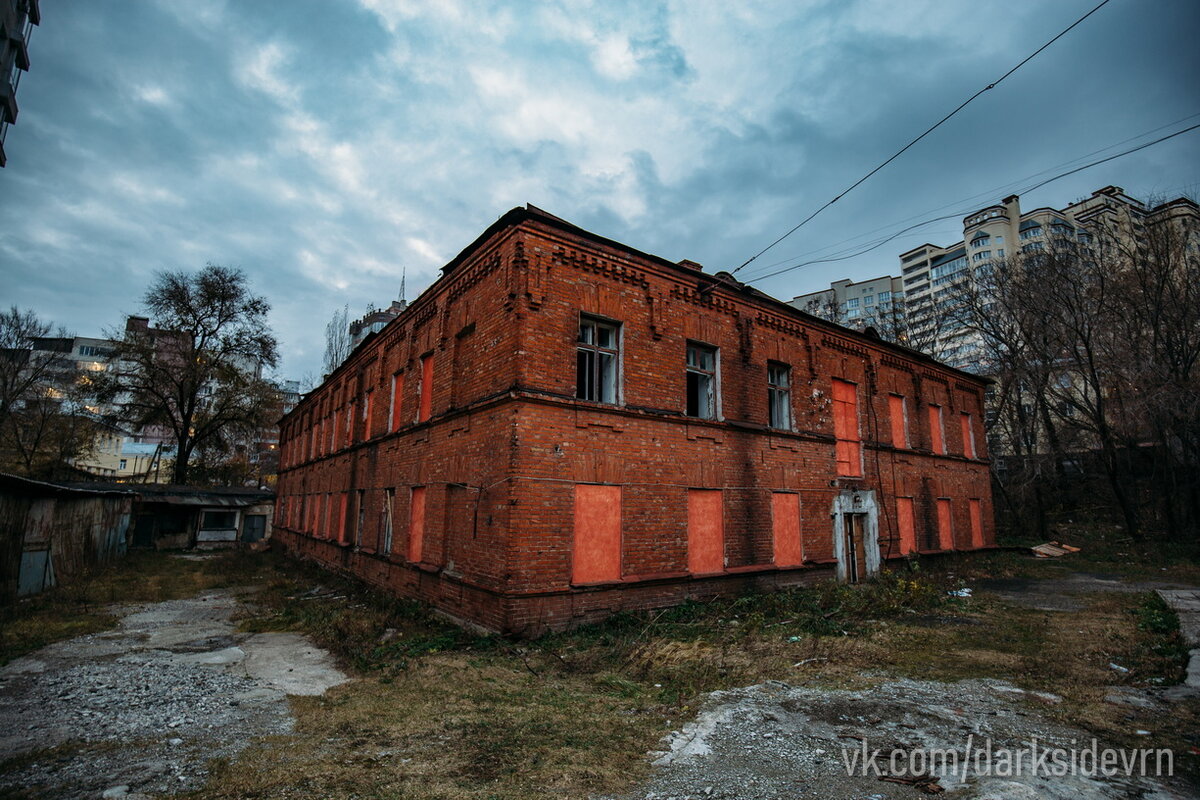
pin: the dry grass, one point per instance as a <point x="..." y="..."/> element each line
<point x="437" y="712"/>
<point x="85" y="605"/>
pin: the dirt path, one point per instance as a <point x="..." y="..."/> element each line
<point x="143" y="707"/>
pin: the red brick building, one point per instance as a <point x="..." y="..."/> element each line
<point x="562" y="426"/>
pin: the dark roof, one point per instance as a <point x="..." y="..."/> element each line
<point x="30" y="487"/>
<point x="178" y="494"/>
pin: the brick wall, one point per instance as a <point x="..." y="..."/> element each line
<point x="506" y="440"/>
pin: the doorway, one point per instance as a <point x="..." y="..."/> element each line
<point x="856" y="535"/>
<point x="853" y="529"/>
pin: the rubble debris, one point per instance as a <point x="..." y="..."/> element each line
<point x="1053" y="550"/>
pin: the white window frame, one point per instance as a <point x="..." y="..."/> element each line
<point x="593" y="347"/>
<point x="714" y="393"/>
<point x="776" y="389"/>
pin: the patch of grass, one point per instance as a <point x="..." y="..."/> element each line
<point x="440" y="712"/>
<point x="367" y="629"/>
<point x="85" y="605"/>
<point x="1157" y="653"/>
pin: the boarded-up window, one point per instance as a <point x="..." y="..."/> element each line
<point x="968" y="435"/>
<point x="341" y="519"/>
<point x="397" y="401"/>
<point x="945" y="525"/>
<point x="976" y="524"/>
<point x="425" y="408"/>
<point x="333" y="439"/>
<point x="937" y="435"/>
<point x="899" y="418"/>
<point x="597" y="555"/>
<point x="416" y="523"/>
<point x="845" y="428"/>
<point x="706" y="531"/>
<point x="360" y="516"/>
<point x="906" y="522"/>
<point x="785" y="518"/>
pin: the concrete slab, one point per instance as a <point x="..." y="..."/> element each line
<point x="290" y="663"/>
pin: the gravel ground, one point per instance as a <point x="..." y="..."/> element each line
<point x="774" y="741"/>
<point x="146" y="705"/>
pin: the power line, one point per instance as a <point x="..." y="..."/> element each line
<point x="1003" y="189"/>
<point x="882" y="242"/>
<point x="930" y="130"/>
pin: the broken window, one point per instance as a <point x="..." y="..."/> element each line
<point x="702" y="381"/>
<point x="389" y="495"/>
<point x="218" y="520"/>
<point x="596" y="358"/>
<point x="366" y="413"/>
<point x="779" y="396"/>
<point x="848" y="448"/>
<point x="425" y="389"/>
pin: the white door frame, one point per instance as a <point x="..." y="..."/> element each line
<point x="856" y="502"/>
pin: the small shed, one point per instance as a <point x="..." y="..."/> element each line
<point x="51" y="533"/>
<point x="172" y="516"/>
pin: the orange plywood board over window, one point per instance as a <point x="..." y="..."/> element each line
<point x="706" y="531"/>
<point x="416" y="524"/>
<point x="906" y="521"/>
<point x="425" y="411"/>
<point x="785" y="516"/>
<point x="847" y="449"/>
<point x="976" y="524"/>
<point x="945" y="525"/>
<point x="968" y="435"/>
<point x="397" y="400"/>
<point x="937" y="439"/>
<point x="341" y="519"/>
<point x="597" y="555"/>
<point x="898" y="420"/>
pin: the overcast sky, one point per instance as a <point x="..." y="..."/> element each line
<point x="322" y="146"/>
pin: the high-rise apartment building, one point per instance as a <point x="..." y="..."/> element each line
<point x="925" y="288"/>
<point x="17" y="18"/>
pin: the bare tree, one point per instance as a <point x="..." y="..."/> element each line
<point x="337" y="339"/>
<point x="198" y="373"/>
<point x="46" y="416"/>
<point x="22" y="368"/>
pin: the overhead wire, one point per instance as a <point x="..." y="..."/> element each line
<point x="1038" y="185"/>
<point x="1005" y="188"/>
<point x="928" y="131"/>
